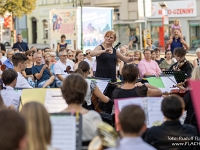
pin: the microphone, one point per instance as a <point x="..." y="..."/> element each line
<point x="116" y="46"/>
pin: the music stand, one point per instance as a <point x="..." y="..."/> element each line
<point x="180" y="76"/>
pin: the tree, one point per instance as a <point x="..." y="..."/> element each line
<point x="17" y="7"/>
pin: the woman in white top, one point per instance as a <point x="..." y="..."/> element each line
<point x="84" y="69"/>
<point x="78" y="58"/>
<point x="196" y="62"/>
<point x="74" y="90"/>
<point x="90" y="61"/>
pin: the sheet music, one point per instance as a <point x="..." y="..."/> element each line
<point x="155" y="114"/>
<point x="63" y="132"/>
<point x="130" y="101"/>
<point x="102" y="84"/>
<point x="54" y="102"/>
<point x="168" y="81"/>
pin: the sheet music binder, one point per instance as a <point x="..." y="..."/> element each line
<point x="180" y="76"/>
<point x="78" y="127"/>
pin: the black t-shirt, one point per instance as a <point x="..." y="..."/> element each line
<point x="3" y="48"/>
<point x="126" y="93"/>
<point x="159" y="61"/>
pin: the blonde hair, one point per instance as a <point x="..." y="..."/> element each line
<point x="129" y="52"/>
<point x="38" y="126"/>
<point x="196" y="73"/>
<point x="137" y="51"/>
<point x="198" y="50"/>
<point x="176" y="20"/>
<point x="45" y="54"/>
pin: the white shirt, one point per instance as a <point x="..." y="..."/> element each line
<point x="91" y="63"/>
<point x="59" y="68"/>
<point x="70" y="62"/>
<point x="22" y="82"/>
<point x="11" y="96"/>
<point x="3" y="58"/>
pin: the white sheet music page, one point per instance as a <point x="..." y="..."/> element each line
<point x="155" y="114"/>
<point x="168" y="81"/>
<point x="129" y="101"/>
<point x="102" y="84"/>
<point x="63" y="132"/>
<point x="54" y="102"/>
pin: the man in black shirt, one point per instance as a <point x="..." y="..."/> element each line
<point x="22" y="46"/>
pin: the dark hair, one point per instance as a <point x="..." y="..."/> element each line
<point x="83" y="66"/>
<point x="180" y="52"/>
<point x="74" y="89"/>
<point x="19" y="57"/>
<point x="8" y="76"/>
<point x="153" y="51"/>
<point x="132" y="119"/>
<point x="167" y="51"/>
<point x="62" y="49"/>
<point x="46" y="48"/>
<point x="39" y="50"/>
<point x="12" y="129"/>
<point x="146" y="50"/>
<point x="63" y="36"/>
<point x="28" y="52"/>
<point x="130" y="73"/>
<point x="15" y="49"/>
<point x="172" y="107"/>
<point x="77" y="53"/>
<point x="156" y="49"/>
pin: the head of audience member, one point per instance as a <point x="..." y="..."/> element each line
<point x="38" y="58"/>
<point x="129" y="126"/>
<point x="83" y="69"/>
<point x="172" y="107"/>
<point x="29" y="54"/>
<point x="196" y="73"/>
<point x="10" y="53"/>
<point x="149" y="41"/>
<point x="176" y="22"/>
<point x="138" y="55"/>
<point x="63" y="56"/>
<point x="70" y="55"/>
<point x="40" y="51"/>
<point x="123" y="50"/>
<point x="53" y="57"/>
<point x="198" y="53"/>
<point x="19" y="61"/>
<point x="79" y="56"/>
<point x="168" y="54"/>
<point x="63" y="38"/>
<point x="176" y="33"/>
<point x="19" y="38"/>
<point x="153" y="55"/>
<point x="126" y="47"/>
<point x="179" y="54"/>
<point x="130" y="54"/>
<point x="33" y="49"/>
<point x="47" y="58"/>
<point x="74" y="89"/>
<point x="38" y="125"/>
<point x="157" y="50"/>
<point x="88" y="51"/>
<point x="110" y="37"/>
<point x="16" y="50"/>
<point x="9" y="77"/>
<point x="13" y="130"/>
<point x="147" y="54"/>
<point x="130" y="73"/>
<point x="47" y="50"/>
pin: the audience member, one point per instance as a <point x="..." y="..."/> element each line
<point x="9" y="95"/>
<point x="90" y="61"/>
<point x="196" y="62"/>
<point x="153" y="55"/>
<point x="150" y="45"/>
<point x="19" y="62"/>
<point x="22" y="46"/>
<point x="74" y="90"/>
<point x="53" y="57"/>
<point x="148" y="67"/>
<point x="8" y="62"/>
<point x="123" y="50"/>
<point x="62" y="43"/>
<point x="29" y="65"/>
<point x="2" y="58"/>
<point x="131" y="126"/>
<point x="175" y="25"/>
<point x="78" y="58"/>
<point x="62" y="68"/>
<point x="47" y="58"/>
<point x="42" y="73"/>
<point x="84" y="69"/>
<point x="33" y="49"/>
<point x="158" y="58"/>
<point x="138" y="57"/>
<point x="168" y="62"/>
<point x="171" y="131"/>
<point x="38" y="124"/>
<point x="47" y="50"/>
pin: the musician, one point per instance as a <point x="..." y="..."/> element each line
<point x="84" y="69"/>
<point x="106" y="57"/>
<point x="130" y="88"/>
<point x="182" y="63"/>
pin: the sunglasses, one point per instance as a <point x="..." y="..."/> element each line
<point x="88" y="53"/>
<point x="70" y="55"/>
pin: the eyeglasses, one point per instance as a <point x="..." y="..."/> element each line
<point x="70" y="55"/>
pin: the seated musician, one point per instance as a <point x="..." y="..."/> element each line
<point x="182" y="63"/>
<point x="60" y="68"/>
<point x="130" y="88"/>
<point x="74" y="89"/>
<point x="84" y="69"/>
<point x="171" y="131"/>
<point x="147" y="66"/>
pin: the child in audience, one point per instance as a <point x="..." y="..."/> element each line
<point x="131" y="126"/>
<point x="9" y="95"/>
<point x="175" y="25"/>
<point x="13" y="130"/>
<point x="171" y="131"/>
<point x="38" y="126"/>
<point x="74" y="89"/>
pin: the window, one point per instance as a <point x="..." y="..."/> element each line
<point x="68" y="1"/>
<point x="45" y="29"/>
<point x="194" y="34"/>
